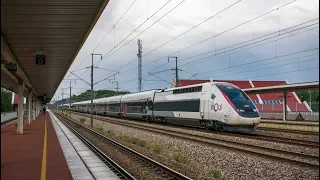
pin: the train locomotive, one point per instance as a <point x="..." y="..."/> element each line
<point x="213" y="105"/>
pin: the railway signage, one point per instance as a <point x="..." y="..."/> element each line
<point x="11" y="67"/>
<point x="40" y="57"/>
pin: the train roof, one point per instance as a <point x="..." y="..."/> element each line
<point x="193" y="85"/>
<point x="138" y="95"/>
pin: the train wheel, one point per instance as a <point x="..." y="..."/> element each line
<point x="206" y="125"/>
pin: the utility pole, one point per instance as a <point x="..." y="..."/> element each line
<point x="91" y="113"/>
<point x="139" y="65"/>
<point x="176" y="69"/>
<point x="70" y="99"/>
<point x="61" y="101"/>
<point x="117" y="88"/>
<point x="92" y="84"/>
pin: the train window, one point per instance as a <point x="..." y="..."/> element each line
<point x="187" y="90"/>
<point x="213" y="96"/>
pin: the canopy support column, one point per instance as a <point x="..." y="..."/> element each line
<point x="20" y="108"/>
<point x="29" y="107"/>
<point x="284" y="106"/>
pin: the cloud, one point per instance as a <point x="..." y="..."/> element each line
<point x="184" y="17"/>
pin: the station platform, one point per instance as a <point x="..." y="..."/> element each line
<point x="47" y="150"/>
<point x="304" y="126"/>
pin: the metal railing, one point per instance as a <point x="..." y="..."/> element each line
<point x="7" y="116"/>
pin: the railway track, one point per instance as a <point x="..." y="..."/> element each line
<point x="282" y="155"/>
<point x="160" y="169"/>
<point x="269" y="138"/>
<point x="119" y="171"/>
<point x="288" y="141"/>
<point x="289" y="131"/>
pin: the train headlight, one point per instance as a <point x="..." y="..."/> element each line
<point x="240" y="110"/>
<point x="255" y="110"/>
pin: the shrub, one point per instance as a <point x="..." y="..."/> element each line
<point x="157" y="148"/>
<point x="141" y="143"/>
<point x="100" y="129"/>
<point x="181" y="158"/>
<point x="133" y="140"/>
<point x="82" y="120"/>
<point x="216" y="174"/>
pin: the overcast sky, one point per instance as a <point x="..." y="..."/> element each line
<point x="279" y="48"/>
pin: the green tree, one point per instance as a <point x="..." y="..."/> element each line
<point x="84" y="96"/>
<point x="6" y="97"/>
<point x="305" y="95"/>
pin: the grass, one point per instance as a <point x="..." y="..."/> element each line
<point x="216" y="174"/>
<point x="82" y="120"/>
<point x="181" y="158"/>
<point x="100" y="129"/>
<point x="157" y="148"/>
<point x="142" y="143"/>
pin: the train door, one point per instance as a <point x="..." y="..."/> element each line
<point x="124" y="109"/>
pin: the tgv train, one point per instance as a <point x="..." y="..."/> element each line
<point x="212" y="105"/>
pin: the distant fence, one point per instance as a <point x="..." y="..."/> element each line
<point x="293" y="116"/>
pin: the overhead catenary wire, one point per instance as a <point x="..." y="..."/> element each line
<point x="107" y="55"/>
<point x="266" y="67"/>
<point x="218" y="33"/>
<point x="239" y="44"/>
<point x="262" y="69"/>
<point x="283" y="30"/>
<point x="265" y="59"/>
<point x="216" y="50"/>
<point x="179" y="34"/>
<point x="228" y="52"/>
<point x="107" y="33"/>
<point x="138" y="28"/>
<point x="234" y="27"/>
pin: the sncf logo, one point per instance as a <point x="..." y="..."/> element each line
<point x="216" y="107"/>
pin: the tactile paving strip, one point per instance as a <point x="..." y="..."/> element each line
<point x="77" y="168"/>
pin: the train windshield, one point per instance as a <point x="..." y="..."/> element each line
<point x="239" y="100"/>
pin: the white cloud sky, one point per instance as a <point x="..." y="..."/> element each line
<point x="187" y="15"/>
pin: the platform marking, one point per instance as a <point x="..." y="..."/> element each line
<point x="44" y="154"/>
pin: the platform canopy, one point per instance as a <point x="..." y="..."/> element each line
<point x="283" y="88"/>
<point x="54" y="28"/>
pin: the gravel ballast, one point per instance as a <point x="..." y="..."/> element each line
<point x="205" y="159"/>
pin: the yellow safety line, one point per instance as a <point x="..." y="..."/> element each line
<point x="44" y="154"/>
